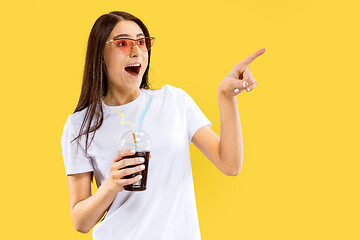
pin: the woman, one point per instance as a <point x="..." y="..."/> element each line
<point x="116" y="77"/>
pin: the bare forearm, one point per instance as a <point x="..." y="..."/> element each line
<point x="231" y="142"/>
<point x="88" y="212"/>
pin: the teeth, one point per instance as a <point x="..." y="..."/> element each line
<point x="134" y="65"/>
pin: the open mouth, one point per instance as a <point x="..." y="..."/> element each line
<point x="133" y="70"/>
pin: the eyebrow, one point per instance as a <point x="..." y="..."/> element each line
<point x="127" y="35"/>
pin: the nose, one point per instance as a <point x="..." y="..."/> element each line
<point x="135" y="51"/>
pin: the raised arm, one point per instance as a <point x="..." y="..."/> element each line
<point x="226" y="152"/>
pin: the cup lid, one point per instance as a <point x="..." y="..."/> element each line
<point x="141" y="142"/>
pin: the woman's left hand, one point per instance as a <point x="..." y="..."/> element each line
<point x="240" y="77"/>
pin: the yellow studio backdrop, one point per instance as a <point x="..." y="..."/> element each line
<point x="300" y="124"/>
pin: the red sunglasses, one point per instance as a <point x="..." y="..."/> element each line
<point x="126" y="44"/>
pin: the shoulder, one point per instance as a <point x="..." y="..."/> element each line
<point x="75" y="120"/>
<point x="174" y="90"/>
<point x="169" y="91"/>
<point x="171" y="95"/>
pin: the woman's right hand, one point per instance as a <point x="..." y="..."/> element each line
<point x="117" y="171"/>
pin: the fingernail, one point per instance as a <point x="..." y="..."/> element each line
<point x="236" y="90"/>
<point x="132" y="151"/>
<point x="142" y="160"/>
<point x="139" y="177"/>
<point x="244" y="84"/>
<point x="248" y="89"/>
<point x="142" y="167"/>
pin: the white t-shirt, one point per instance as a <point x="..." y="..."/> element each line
<point x="166" y="210"/>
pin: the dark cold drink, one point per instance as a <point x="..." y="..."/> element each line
<point x="140" y="142"/>
<point x="141" y="184"/>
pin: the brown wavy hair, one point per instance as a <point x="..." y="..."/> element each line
<point x="94" y="84"/>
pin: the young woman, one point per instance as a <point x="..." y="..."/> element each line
<point x="116" y="78"/>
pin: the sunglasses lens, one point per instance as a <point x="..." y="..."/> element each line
<point x="142" y="44"/>
<point x="145" y="43"/>
<point x="123" y="44"/>
<point x="149" y="42"/>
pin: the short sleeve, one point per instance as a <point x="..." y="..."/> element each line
<point x="75" y="160"/>
<point x="195" y="118"/>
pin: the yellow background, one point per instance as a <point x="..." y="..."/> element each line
<point x="300" y="178"/>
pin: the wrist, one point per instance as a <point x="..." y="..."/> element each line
<point x="110" y="186"/>
<point x="225" y="95"/>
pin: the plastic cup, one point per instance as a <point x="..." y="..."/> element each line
<point x="141" y="144"/>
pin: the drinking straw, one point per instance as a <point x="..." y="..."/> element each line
<point x="143" y="114"/>
<point x="126" y="122"/>
<point x="141" y="118"/>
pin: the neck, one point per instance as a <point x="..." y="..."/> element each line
<point x="117" y="97"/>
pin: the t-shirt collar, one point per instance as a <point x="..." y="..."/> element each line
<point x="127" y="105"/>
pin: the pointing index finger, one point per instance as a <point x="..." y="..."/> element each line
<point x="249" y="59"/>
